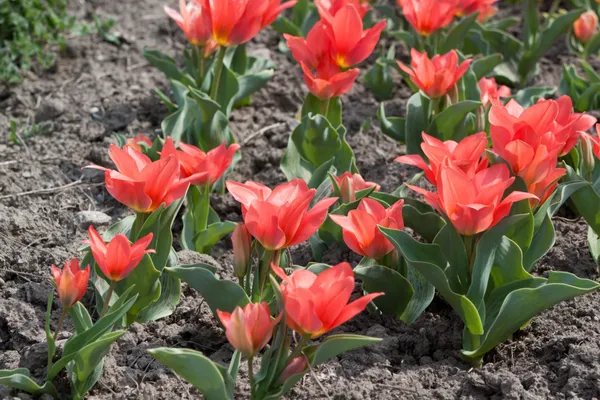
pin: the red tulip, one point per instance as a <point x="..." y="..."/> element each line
<point x="360" y="228"/>
<point x="242" y="248"/>
<point x="466" y="155"/>
<point x="436" y="76"/>
<point x="237" y="21"/>
<point x="316" y="304"/>
<point x="428" y="16"/>
<point x="141" y="184"/>
<point x="491" y="91"/>
<point x="328" y="82"/>
<point x="350" y="44"/>
<point x="249" y="329"/>
<point x="586" y="26"/>
<point x="485" y="8"/>
<point x="350" y="183"/>
<point x="280" y="218"/>
<point x="333" y="6"/>
<point x="117" y="259"/>
<point x="194" y="21"/>
<point x="473" y="203"/>
<point x="207" y="167"/>
<point x="296" y="366"/>
<point x="135" y="142"/>
<point x="71" y="282"/>
<point x="311" y="51"/>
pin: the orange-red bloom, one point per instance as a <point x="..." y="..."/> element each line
<point x="311" y="51"/>
<point x="117" y="259"/>
<point x="491" y="91"/>
<point x="141" y="184"/>
<point x="567" y="124"/>
<point x="242" y="247"/>
<point x="135" y="142"/>
<point x="249" y="329"/>
<point x="360" y="228"/>
<point x="315" y="304"/>
<point x="71" y="282"/>
<point x="586" y="26"/>
<point x="350" y="183"/>
<point x="473" y="204"/>
<point x="237" y="21"/>
<point x="427" y="16"/>
<point x="465" y="155"/>
<point x="485" y="8"/>
<point x="296" y="366"/>
<point x="194" y="21"/>
<point x="333" y="6"/>
<point x="280" y="218"/>
<point x="207" y="167"/>
<point x="436" y="76"/>
<point x="350" y="44"/>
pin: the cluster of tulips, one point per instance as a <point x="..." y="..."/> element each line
<point x="501" y="169"/>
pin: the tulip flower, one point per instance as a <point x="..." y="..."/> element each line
<point x="311" y="51"/>
<point x="586" y="26"/>
<point x="466" y="155"/>
<point x="141" y="184"/>
<point x="473" y="204"/>
<point x="194" y="21"/>
<point x="242" y="247"/>
<point x="250" y="328"/>
<point x="360" y="228"/>
<point x="206" y="167"/>
<point x="436" y="76"/>
<point x="296" y="366"/>
<point x="280" y="218"/>
<point x="350" y="44"/>
<point x="350" y="183"/>
<point x="316" y="304"/>
<point x="428" y="16"/>
<point x="491" y="91"/>
<point x="333" y="6"/>
<point x="235" y="22"/>
<point x="485" y="8"/>
<point x="328" y="81"/>
<point x="118" y="258"/>
<point x="135" y="142"/>
<point x="71" y="282"/>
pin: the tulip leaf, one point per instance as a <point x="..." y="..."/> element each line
<point x="510" y="306"/>
<point x="594" y="244"/>
<point x="393" y="127"/>
<point x="425" y="224"/>
<point x="508" y="263"/>
<point x="417" y="121"/>
<point x="168" y="66"/>
<point x="335" y="345"/>
<point x="89" y="356"/>
<point x="445" y="125"/>
<point x="453" y="248"/>
<point x="211" y="379"/>
<point x="255" y="76"/>
<point x="379" y="79"/>
<point x="205" y="240"/>
<point x="329" y="231"/>
<point x="397" y="289"/>
<point x="294" y="166"/>
<point x="588" y="98"/>
<point x="81" y="318"/>
<point x="422" y="297"/>
<point x="315" y="106"/>
<point x="49" y="334"/>
<point x="455" y="38"/>
<point x="529" y="96"/>
<point x="586" y="200"/>
<point x="542" y="242"/>
<point x="20" y="379"/>
<point x="170" y="294"/>
<point x="319" y="177"/>
<point x="532" y="22"/>
<point x="593" y="46"/>
<point x="429" y="260"/>
<point x="484" y="258"/>
<point x="219" y="294"/>
<point x="485" y="65"/>
<point x="502" y="42"/>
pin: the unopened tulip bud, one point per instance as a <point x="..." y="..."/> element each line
<point x="587" y="151"/>
<point x="349" y="184"/>
<point x="296" y="366"/>
<point x="586" y="26"/>
<point x="71" y="282"/>
<point x="242" y="247"/>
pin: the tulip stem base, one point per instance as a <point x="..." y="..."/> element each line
<point x="298" y="350"/>
<point x="59" y="325"/>
<point x="218" y="71"/>
<point x="251" y="377"/>
<point x="111" y="289"/>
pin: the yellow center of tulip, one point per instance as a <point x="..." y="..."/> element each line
<point x="222" y="38"/>
<point x="340" y="60"/>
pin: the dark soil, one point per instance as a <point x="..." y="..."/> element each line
<point x="98" y="89"/>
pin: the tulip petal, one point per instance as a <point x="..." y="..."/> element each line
<point x="312" y="220"/>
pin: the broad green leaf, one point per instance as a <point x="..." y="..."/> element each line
<point x="89" y="356"/>
<point x="167" y="66"/>
<point x="503" y="42"/>
<point x="417" y="121"/>
<point x="397" y="288"/>
<point x="284" y="25"/>
<point x="379" y="80"/>
<point x="319" y="177"/>
<point x="257" y="75"/>
<point x="20" y="379"/>
<point x="204" y="241"/>
<point x="532" y="23"/>
<point x="508" y="263"/>
<point x="294" y="166"/>
<point x="425" y="224"/>
<point x="589" y="71"/>
<point x="206" y="376"/>
<point x="422" y="297"/>
<point x="543" y="240"/>
<point x="394" y="127"/>
<point x="219" y="294"/>
<point x="529" y="96"/>
<point x="445" y="125"/>
<point x="589" y="98"/>
<point x="315" y="106"/>
<point x="453" y="248"/>
<point x="429" y="260"/>
<point x="170" y="294"/>
<point x="521" y="301"/>
<point x="81" y="317"/>
<point x="485" y="65"/>
<point x="594" y="244"/>
<point x="335" y="345"/>
<point x="454" y="39"/>
<point x="586" y="200"/>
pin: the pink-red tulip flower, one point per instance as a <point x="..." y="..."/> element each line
<point x="296" y="366"/>
<point x="194" y="21"/>
<point x="333" y="6"/>
<point x="328" y="81"/>
<point x="436" y="76"/>
<point x="242" y="248"/>
<point x="428" y="16"/>
<point x="280" y="218"/>
<point x="350" y="183"/>
<point x="316" y="304"/>
<point x="485" y="8"/>
<point x="360" y="228"/>
<point x="491" y="91"/>
<point x="586" y="26"/>
<point x="135" y="142"/>
<point x="71" y="282"/>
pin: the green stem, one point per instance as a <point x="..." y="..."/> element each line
<point x="111" y="289"/>
<point x="218" y="71"/>
<point x="325" y="107"/>
<point x="140" y="218"/>
<point x="251" y="377"/>
<point x="200" y="59"/>
<point x="58" y="326"/>
<point x="470" y="244"/>
<point x="204" y="207"/>
<point x="298" y="350"/>
<point x="264" y="267"/>
<point x="421" y="42"/>
<point x="554" y="7"/>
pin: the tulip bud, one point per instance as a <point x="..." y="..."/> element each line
<point x="296" y="366"/>
<point x="587" y="151"/>
<point x="242" y="246"/>
<point x="586" y="26"/>
<point x="71" y="282"/>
